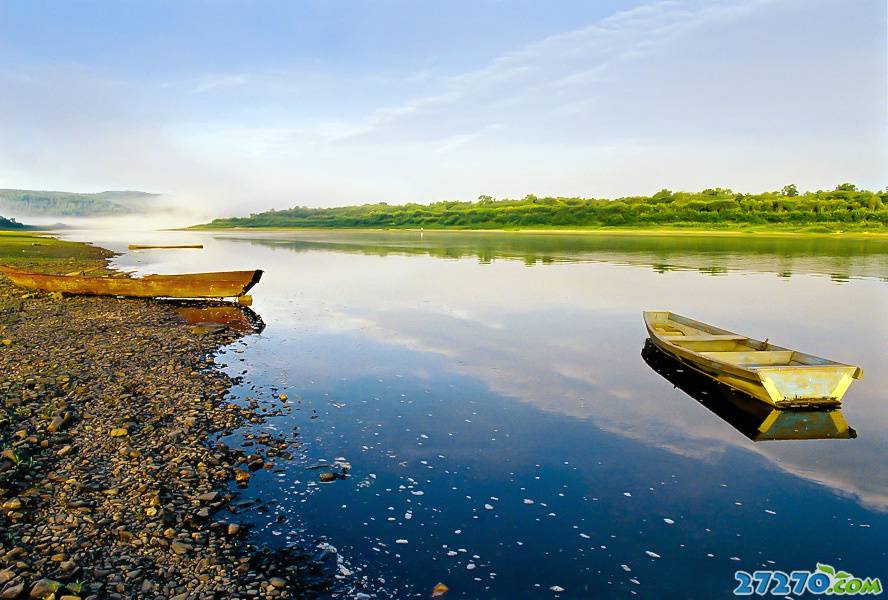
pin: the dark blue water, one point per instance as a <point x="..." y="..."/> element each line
<point x="505" y="436"/>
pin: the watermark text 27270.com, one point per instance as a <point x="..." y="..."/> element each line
<point x="826" y="579"/>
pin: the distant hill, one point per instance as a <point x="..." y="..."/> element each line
<point x="69" y="204"/>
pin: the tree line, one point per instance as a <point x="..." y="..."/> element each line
<point x="72" y="204"/>
<point x="845" y="207"/>
<point x="10" y="224"/>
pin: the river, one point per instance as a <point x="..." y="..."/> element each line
<point x="505" y="435"/>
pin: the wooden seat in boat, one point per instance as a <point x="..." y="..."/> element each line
<point x="707" y="338"/>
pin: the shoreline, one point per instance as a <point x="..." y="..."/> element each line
<point x="677" y="232"/>
<point x="113" y="483"/>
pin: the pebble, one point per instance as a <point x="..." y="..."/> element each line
<point x="13" y="591"/>
<point x="12" y="504"/>
<point x="44" y="588"/>
<point x="180" y="548"/>
<point x="112" y="455"/>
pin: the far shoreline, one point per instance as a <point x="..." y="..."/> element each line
<point x="646" y="232"/>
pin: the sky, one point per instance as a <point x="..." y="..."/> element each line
<point x="233" y="107"/>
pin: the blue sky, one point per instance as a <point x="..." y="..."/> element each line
<point x="246" y="105"/>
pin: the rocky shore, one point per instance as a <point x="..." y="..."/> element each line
<point x="111" y="485"/>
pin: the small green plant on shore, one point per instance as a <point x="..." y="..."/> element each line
<point x="14" y="456"/>
<point x="49" y="409"/>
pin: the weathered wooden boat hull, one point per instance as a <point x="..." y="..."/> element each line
<point x="229" y="284"/>
<point x="753" y="418"/>
<point x="779" y="376"/>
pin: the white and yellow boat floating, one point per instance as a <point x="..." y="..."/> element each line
<point x="779" y="376"/>
<point x="750" y="416"/>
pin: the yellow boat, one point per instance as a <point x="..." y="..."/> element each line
<point x="756" y="420"/>
<point x="229" y="284"/>
<point x="781" y="377"/>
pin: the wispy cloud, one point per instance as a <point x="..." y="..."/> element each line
<point x="668" y="94"/>
<point x="214" y="82"/>
<point x="602" y="59"/>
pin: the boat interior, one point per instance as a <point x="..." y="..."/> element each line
<point x="725" y="346"/>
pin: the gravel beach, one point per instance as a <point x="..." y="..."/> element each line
<point x="111" y="483"/>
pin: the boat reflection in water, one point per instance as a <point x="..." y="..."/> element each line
<point x="236" y="317"/>
<point x="755" y="419"/>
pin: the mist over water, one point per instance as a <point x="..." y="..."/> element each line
<point x="156" y="213"/>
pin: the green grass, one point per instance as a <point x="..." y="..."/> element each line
<point x="48" y="254"/>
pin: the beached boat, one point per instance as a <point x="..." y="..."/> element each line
<point x="779" y="376"/>
<point x="230" y="284"/>
<point x="174" y="247"/>
<point x="753" y="418"/>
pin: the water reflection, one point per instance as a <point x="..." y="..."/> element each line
<point x="236" y="317"/>
<point x="755" y="419"/>
<point x="839" y="258"/>
<point x="564" y="337"/>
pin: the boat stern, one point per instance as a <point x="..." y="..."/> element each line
<point x="790" y="387"/>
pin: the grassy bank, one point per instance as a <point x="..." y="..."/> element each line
<point x="52" y="255"/>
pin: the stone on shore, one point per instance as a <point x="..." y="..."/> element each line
<point x="180" y="548"/>
<point x="44" y="588"/>
<point x="13" y="591"/>
<point x="112" y="410"/>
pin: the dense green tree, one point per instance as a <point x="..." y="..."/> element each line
<point x="846" y="207"/>
<point x="6" y="223"/>
<point x="790" y="190"/>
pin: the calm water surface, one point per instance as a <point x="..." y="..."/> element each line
<point x="505" y="434"/>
